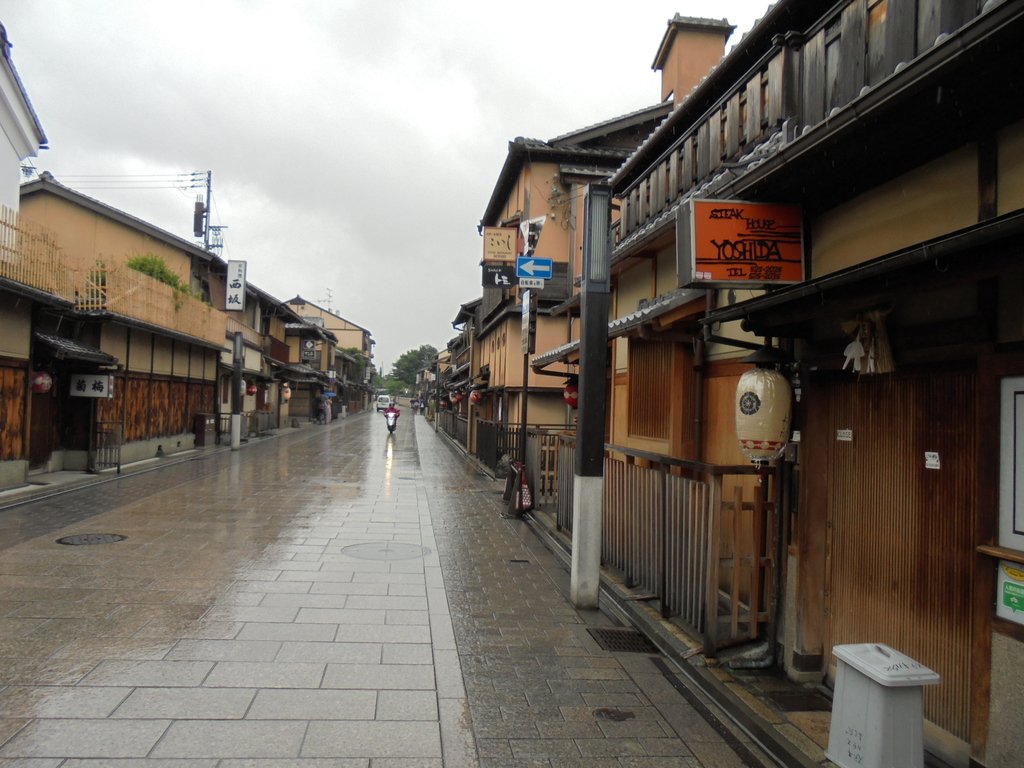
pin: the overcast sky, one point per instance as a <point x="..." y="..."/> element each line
<point x="354" y="144"/>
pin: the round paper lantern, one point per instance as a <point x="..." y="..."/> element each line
<point x="763" y="408"/>
<point x="250" y="388"/>
<point x="42" y="382"/>
<point x="475" y="396"/>
<point x="571" y="394"/>
<point x="457" y="398"/>
<point x="286" y="392"/>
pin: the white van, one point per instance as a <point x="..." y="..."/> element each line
<point x="383" y="402"/>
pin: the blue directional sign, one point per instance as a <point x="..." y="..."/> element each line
<point x="531" y="266"/>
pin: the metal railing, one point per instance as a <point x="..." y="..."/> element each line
<point x="694" y="539"/>
<point x="105" y="447"/>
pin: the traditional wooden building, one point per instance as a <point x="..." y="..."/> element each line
<point x="896" y="130"/>
<point x="131" y="359"/>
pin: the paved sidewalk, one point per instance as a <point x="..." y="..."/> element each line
<point x="333" y="597"/>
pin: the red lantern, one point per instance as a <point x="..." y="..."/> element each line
<point x="571" y="394"/>
<point x="250" y="388"/>
<point x="458" y="398"/>
<point x="42" y="382"/>
<point x="475" y="396"/>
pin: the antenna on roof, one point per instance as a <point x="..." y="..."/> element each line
<point x="330" y="297"/>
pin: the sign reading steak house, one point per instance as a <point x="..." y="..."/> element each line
<point x="730" y="242"/>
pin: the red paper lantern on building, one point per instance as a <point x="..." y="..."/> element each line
<point x="571" y="394"/>
<point x="475" y="396"/>
<point x="457" y="398"/>
<point x="250" y="388"/>
<point x="42" y="382"/>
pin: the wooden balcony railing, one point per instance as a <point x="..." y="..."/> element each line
<point x="125" y="291"/>
<point x="695" y="539"/>
<point x="251" y="336"/>
<point x="30" y="255"/>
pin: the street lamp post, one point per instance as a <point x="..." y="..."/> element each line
<point x="588" y="478"/>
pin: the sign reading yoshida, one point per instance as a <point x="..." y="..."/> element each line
<point x="730" y="242"/>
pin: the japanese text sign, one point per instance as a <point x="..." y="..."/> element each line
<point x="235" y="297"/>
<point x="92" y="385"/>
<point x="500" y="244"/>
<point x="726" y="242"/>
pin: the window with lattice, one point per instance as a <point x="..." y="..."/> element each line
<point x="650" y="382"/>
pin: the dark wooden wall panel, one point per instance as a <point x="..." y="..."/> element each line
<point x="852" y="41"/>
<point x="814" y="80"/>
<point x="901" y="545"/>
<point x="12" y="412"/>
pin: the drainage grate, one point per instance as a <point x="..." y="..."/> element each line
<point x="622" y="640"/>
<point x="520" y="561"/>
<point x="800" y="701"/>
<point x="91" y="538"/>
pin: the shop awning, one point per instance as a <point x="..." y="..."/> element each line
<point x="67" y="349"/>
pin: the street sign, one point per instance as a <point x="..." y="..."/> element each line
<point x="531" y="266"/>
<point x="500" y="275"/>
<point x="530" y="282"/>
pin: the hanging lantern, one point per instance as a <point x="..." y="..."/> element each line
<point x="571" y="395"/>
<point x="42" y="382"/>
<point x="286" y="392"/>
<point x="250" y="388"/>
<point x="763" y="408"/>
<point x="475" y="396"/>
<point x="451" y="396"/>
<point x="457" y="398"/>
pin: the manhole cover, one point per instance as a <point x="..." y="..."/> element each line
<point x="385" y="550"/>
<point x="615" y="715"/>
<point x="622" y="640"/>
<point x="91" y="538"/>
<point x="800" y="701"/>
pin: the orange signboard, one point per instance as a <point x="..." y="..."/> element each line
<point x="732" y="241"/>
<point x="500" y="244"/>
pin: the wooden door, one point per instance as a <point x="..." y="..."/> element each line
<point x="42" y="430"/>
<point x="899" y="536"/>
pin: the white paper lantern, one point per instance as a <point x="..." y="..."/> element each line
<point x="763" y="409"/>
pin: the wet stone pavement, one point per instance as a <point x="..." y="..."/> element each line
<point x="331" y="597"/>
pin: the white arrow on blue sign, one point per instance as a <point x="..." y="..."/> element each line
<point x="531" y="266"/>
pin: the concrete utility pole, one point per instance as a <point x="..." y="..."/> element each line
<point x="588" y="477"/>
<point x="236" y="392"/>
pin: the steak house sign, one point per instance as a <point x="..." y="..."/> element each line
<point x="731" y="242"/>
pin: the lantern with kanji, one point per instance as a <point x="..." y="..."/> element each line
<point x="42" y="382"/>
<point x="250" y="388"/>
<point x="763" y="408"/>
<point x="571" y="394"/>
<point x="475" y="397"/>
<point x="457" y="397"/>
<point x="286" y="392"/>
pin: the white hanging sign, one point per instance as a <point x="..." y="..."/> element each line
<point x="234" y="300"/>
<point x="92" y="385"/>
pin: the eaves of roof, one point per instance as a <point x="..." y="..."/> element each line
<point x="156" y="330"/>
<point x="780" y="18"/>
<point x="69" y="349"/>
<point x="521" y="151"/>
<point x="5" y="48"/>
<point x="36" y="294"/>
<point x="46" y="183"/>
<point x="615" y="124"/>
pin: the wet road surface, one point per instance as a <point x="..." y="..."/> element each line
<point x="331" y="597"/>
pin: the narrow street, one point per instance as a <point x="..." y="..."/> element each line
<point x="332" y="597"/>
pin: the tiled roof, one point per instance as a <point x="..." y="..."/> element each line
<point x="68" y="349"/>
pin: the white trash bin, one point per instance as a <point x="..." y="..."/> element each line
<point x="876" y="710"/>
